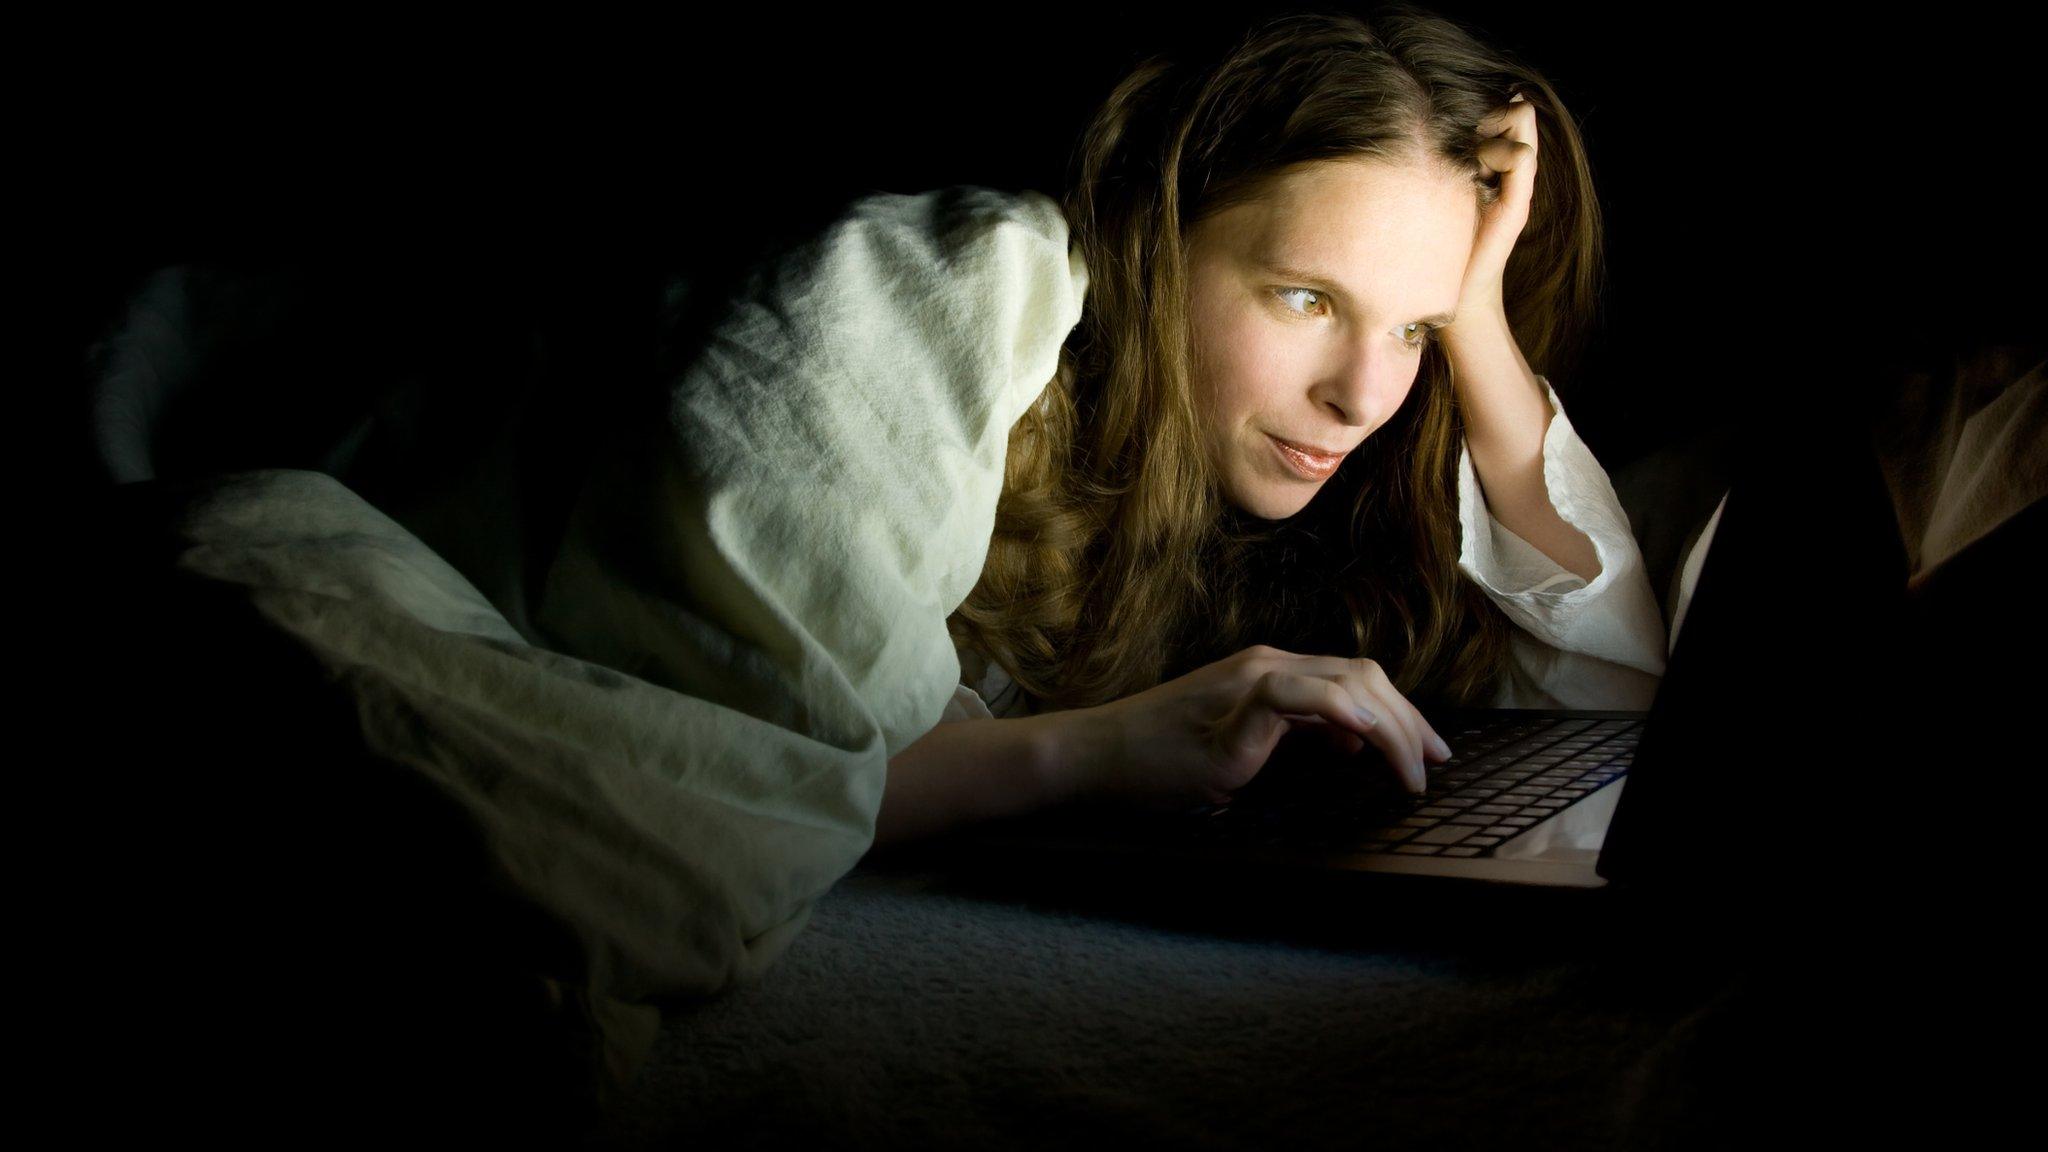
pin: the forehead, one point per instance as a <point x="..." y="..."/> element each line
<point x="1356" y="208"/>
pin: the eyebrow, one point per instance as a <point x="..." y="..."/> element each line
<point x="1326" y="284"/>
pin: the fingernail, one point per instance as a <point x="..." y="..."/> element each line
<point x="1365" y="717"/>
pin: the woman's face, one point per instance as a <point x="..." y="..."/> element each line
<point x="1309" y="311"/>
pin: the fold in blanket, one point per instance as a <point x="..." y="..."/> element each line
<point x="1960" y="445"/>
<point x="746" y="617"/>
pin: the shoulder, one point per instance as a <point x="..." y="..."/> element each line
<point x="963" y="207"/>
<point x="1016" y="244"/>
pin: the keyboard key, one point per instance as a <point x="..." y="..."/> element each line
<point x="1461" y="851"/>
<point x="1448" y="834"/>
<point x="1482" y="841"/>
<point x="1420" y="849"/>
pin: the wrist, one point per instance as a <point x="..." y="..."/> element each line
<point x="1076" y="753"/>
<point x="1481" y="320"/>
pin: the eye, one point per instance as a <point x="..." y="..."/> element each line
<point x="1283" y="293"/>
<point x="1416" y="342"/>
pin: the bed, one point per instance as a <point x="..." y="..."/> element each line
<point x="371" y="955"/>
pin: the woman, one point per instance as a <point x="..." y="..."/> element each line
<point x="1336" y="235"/>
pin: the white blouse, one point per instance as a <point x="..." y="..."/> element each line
<point x="1578" y="645"/>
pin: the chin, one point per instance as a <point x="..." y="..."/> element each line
<point x="1265" y="505"/>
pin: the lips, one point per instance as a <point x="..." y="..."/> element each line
<point x="1313" y="450"/>
<point x="1309" y="465"/>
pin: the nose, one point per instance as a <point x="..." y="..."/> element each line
<point x="1366" y="382"/>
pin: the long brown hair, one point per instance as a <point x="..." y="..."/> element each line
<point x="1117" y="562"/>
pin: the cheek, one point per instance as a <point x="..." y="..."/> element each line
<point x="1408" y="390"/>
<point x="1239" y="364"/>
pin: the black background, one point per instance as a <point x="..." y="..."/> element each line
<point x="1780" y="190"/>
<point x="1785" y="196"/>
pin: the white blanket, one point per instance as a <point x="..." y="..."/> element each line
<point x="746" y="618"/>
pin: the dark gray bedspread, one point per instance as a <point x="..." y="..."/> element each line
<point x="936" y="1002"/>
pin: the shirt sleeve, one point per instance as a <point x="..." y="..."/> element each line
<point x="1578" y="645"/>
<point x="966" y="704"/>
<point x="985" y="691"/>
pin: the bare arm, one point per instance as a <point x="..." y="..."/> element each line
<point x="969" y="770"/>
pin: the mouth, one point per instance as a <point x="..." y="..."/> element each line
<point x="1305" y="462"/>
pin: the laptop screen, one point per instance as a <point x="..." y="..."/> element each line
<point x="1771" y="711"/>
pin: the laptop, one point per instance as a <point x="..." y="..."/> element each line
<point x="1763" y="747"/>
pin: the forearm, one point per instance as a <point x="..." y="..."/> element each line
<point x="1518" y="496"/>
<point x="969" y="770"/>
<point x="1507" y="417"/>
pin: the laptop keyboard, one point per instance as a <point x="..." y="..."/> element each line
<point x="1504" y="776"/>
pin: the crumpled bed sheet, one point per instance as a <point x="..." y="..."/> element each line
<point x="746" y="617"/>
<point x="1964" y="448"/>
